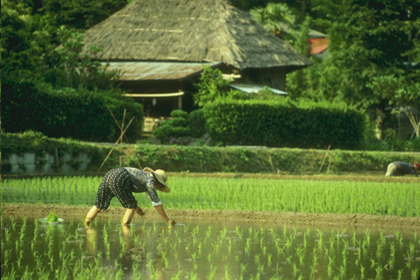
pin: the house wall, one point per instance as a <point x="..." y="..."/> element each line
<point x="274" y="77"/>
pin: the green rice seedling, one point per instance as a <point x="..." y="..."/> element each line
<point x="354" y="239"/>
<point x="330" y="264"/>
<point x="379" y="269"/>
<point x="208" y="232"/>
<point x="227" y="274"/>
<point x="17" y="246"/>
<point x="414" y="273"/>
<point x="303" y="195"/>
<point x="362" y="271"/>
<point x="8" y="234"/>
<point x="367" y="236"/>
<point x="295" y="270"/>
<point x="411" y="250"/>
<point x="320" y="241"/>
<point x="400" y="271"/>
<point x="342" y="270"/>
<point x="13" y="223"/>
<point x="373" y="263"/>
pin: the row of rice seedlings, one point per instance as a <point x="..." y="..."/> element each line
<point x="155" y="251"/>
<point x="376" y="198"/>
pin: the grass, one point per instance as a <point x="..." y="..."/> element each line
<point x="267" y="195"/>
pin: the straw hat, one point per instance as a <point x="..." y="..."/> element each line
<point x="161" y="176"/>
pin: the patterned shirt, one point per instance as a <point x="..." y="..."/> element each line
<point x="144" y="182"/>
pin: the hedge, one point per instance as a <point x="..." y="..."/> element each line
<point x="263" y="160"/>
<point x="68" y="113"/>
<point x="285" y="124"/>
<point x="209" y="159"/>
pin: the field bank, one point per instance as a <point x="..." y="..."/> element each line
<point x="65" y="156"/>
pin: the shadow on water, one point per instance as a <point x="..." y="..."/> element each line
<point x="150" y="249"/>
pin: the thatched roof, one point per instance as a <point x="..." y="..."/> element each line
<point x="192" y="31"/>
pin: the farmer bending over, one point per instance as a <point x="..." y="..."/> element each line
<point x="122" y="182"/>
<point x="399" y="168"/>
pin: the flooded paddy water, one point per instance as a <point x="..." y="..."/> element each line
<point x="203" y="249"/>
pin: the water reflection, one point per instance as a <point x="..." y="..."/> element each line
<point x="210" y="250"/>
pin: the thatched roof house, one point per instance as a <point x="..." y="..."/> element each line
<point x="194" y="31"/>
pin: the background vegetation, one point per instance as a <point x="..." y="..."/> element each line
<point x="47" y="86"/>
<point x="41" y="43"/>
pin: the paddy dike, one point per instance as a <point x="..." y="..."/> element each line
<point x="352" y="220"/>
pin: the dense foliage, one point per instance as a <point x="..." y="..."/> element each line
<point x="368" y="40"/>
<point x="69" y="113"/>
<point x="285" y="124"/>
<point x="213" y="86"/>
<point x="47" y="86"/>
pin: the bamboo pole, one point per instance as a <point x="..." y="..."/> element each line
<point x="322" y="164"/>
<point x="119" y="139"/>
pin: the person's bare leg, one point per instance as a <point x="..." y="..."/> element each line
<point x="128" y="216"/>
<point x="390" y="170"/>
<point x="91" y="215"/>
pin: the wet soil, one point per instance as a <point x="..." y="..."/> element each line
<point x="356" y="220"/>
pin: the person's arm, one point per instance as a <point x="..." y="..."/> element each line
<point x="409" y="169"/>
<point x="161" y="211"/>
<point x="139" y="211"/>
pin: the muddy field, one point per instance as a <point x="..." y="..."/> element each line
<point x="243" y="216"/>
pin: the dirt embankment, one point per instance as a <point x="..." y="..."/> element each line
<point x="12" y="209"/>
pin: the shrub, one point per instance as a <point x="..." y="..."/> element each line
<point x="284" y="123"/>
<point x="176" y="127"/>
<point x="197" y="123"/>
<point x="213" y="86"/>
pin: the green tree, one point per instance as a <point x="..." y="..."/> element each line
<point x="366" y="39"/>
<point x="213" y="86"/>
<point x="75" y="14"/>
<point x="278" y="19"/>
<point x="70" y="69"/>
<point x="24" y="39"/>
<point x="402" y="94"/>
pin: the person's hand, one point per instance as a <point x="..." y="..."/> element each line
<point x="171" y="222"/>
<point x="139" y="211"/>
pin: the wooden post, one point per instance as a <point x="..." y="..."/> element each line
<point x="180" y="102"/>
<point x="56" y="162"/>
<point x="322" y="164"/>
<point x="329" y="164"/>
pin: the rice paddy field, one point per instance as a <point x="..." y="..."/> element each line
<point x="203" y="248"/>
